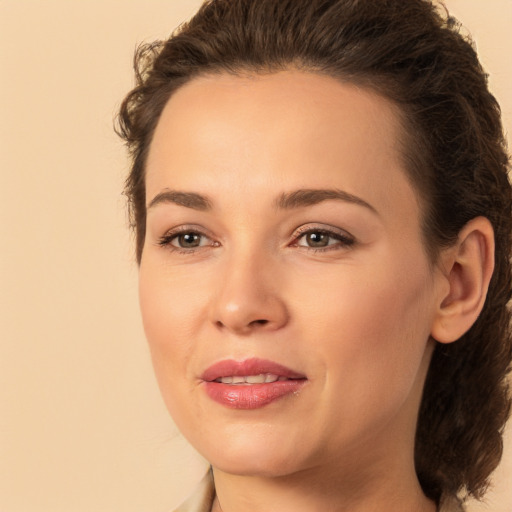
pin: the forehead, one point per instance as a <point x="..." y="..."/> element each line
<point x="280" y="131"/>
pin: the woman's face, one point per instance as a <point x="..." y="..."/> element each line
<point x="283" y="244"/>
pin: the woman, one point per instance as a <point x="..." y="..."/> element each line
<point x="323" y="219"/>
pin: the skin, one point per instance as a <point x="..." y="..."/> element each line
<point x="355" y="318"/>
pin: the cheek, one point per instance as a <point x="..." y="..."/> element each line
<point x="170" y="303"/>
<point x="371" y="331"/>
<point x="169" y="313"/>
<point x="166" y="316"/>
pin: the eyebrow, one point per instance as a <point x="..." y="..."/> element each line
<point x="187" y="199"/>
<point x="310" y="197"/>
<point x="286" y="201"/>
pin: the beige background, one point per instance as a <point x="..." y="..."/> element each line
<point x="82" y="426"/>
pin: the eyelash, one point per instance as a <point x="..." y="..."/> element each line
<point x="344" y="239"/>
<point x="167" y="239"/>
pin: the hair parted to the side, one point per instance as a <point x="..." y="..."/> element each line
<point x="454" y="152"/>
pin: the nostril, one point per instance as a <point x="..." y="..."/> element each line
<point x="260" y="322"/>
<point x="246" y="327"/>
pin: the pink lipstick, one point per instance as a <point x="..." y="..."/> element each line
<point x="250" y="384"/>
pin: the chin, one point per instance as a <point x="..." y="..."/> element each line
<point x="263" y="467"/>
<point x="254" y="456"/>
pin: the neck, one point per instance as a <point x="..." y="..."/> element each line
<point x="370" y="490"/>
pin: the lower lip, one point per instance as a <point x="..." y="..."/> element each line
<point x="251" y="396"/>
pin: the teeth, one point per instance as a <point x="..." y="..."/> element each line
<point x="262" y="378"/>
<point x="255" y="379"/>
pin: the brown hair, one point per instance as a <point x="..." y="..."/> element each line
<point x="455" y="155"/>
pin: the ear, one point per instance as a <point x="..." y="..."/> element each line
<point x="467" y="269"/>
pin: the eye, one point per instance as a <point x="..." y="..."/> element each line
<point x="323" y="239"/>
<point x="186" y="240"/>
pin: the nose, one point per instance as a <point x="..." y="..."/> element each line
<point x="248" y="297"/>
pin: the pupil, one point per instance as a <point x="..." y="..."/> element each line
<point x="189" y="240"/>
<point x="317" y="239"/>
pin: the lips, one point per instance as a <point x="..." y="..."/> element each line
<point x="250" y="384"/>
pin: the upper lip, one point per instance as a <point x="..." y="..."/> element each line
<point x="253" y="366"/>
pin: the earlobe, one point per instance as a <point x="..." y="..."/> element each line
<point x="468" y="268"/>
